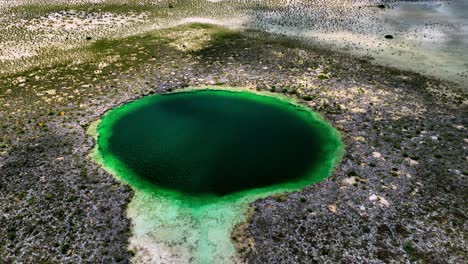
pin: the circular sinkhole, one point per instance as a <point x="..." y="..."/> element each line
<point x="216" y="142"/>
<point x="197" y="158"/>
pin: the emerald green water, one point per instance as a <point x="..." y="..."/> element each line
<point x="197" y="158"/>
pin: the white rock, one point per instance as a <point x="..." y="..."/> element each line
<point x="50" y="92"/>
<point x="411" y="162"/>
<point x="373" y="197"/>
<point x="380" y="199"/>
<point x="350" y="180"/>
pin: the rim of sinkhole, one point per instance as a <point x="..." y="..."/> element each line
<point x="334" y="150"/>
<point x="173" y="227"/>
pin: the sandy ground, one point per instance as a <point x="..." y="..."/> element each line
<point x="429" y="37"/>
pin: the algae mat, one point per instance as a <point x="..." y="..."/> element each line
<point x="197" y="158"/>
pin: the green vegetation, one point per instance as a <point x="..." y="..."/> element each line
<point x="322" y="77"/>
<point x="412" y="251"/>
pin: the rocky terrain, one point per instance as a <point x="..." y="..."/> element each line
<point x="399" y="194"/>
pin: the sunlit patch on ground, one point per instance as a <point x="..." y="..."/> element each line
<point x="428" y="37"/>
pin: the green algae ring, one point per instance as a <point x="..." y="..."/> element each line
<point x="205" y="154"/>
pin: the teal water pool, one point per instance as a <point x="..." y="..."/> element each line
<point x="196" y="159"/>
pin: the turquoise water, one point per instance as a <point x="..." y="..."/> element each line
<point x="197" y="158"/>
